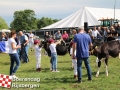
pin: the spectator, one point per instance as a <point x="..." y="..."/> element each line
<point x="58" y="35"/>
<point x="31" y="40"/>
<point x="114" y="33"/>
<point x="71" y="35"/>
<point x="90" y="32"/>
<point x="105" y="33"/>
<point x="81" y="44"/>
<point x="46" y="36"/>
<point x="14" y="58"/>
<point x="24" y="46"/>
<point x="38" y="55"/>
<point x="3" y="37"/>
<point x="100" y="35"/>
<point x="65" y="36"/>
<point x="94" y="34"/>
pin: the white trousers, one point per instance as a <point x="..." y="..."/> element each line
<point x="38" y="61"/>
<point x="74" y="61"/>
<point x="31" y="43"/>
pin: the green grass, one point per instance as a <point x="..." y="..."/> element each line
<point x="64" y="79"/>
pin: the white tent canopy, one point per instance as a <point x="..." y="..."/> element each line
<point x="86" y="14"/>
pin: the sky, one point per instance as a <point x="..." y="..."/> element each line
<point x="55" y="9"/>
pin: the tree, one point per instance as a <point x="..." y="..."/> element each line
<point x="3" y="24"/>
<point x="24" y="20"/>
<point x="43" y="22"/>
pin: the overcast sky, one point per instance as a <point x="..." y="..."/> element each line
<point x="56" y="9"/>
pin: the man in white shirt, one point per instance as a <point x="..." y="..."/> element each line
<point x="31" y="40"/>
<point x="95" y="33"/>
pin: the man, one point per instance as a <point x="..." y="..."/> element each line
<point x="100" y="35"/>
<point x="65" y="36"/>
<point x="57" y="35"/>
<point x="24" y="49"/>
<point x="46" y="36"/>
<point x="31" y="40"/>
<point x="81" y="44"/>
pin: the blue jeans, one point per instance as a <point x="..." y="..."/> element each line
<point x="79" y="68"/>
<point x="24" y="53"/>
<point x="54" y="61"/>
<point x="14" y="59"/>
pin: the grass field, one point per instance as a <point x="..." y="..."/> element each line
<point x="63" y="80"/>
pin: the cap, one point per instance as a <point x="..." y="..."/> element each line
<point x="51" y="40"/>
<point x="36" y="41"/>
<point x="71" y="43"/>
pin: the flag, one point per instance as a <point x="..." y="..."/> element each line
<point x="4" y="47"/>
<point x="5" y="81"/>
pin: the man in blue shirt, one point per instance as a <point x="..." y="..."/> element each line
<point x="82" y="42"/>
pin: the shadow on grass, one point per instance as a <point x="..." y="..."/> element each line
<point x="64" y="61"/>
<point x="5" y="63"/>
<point x="59" y="80"/>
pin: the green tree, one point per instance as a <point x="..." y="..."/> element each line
<point x="3" y="24"/>
<point x="24" y="20"/>
<point x="45" y="21"/>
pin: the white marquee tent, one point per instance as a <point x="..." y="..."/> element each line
<point x="86" y="14"/>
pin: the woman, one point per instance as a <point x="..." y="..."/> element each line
<point x="3" y="37"/>
<point x="13" y="54"/>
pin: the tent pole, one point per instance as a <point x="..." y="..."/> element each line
<point x="114" y="10"/>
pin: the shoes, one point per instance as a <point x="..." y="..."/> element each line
<point x="53" y="70"/>
<point x="14" y="77"/>
<point x="57" y="71"/>
<point x="38" y="69"/>
<point x="75" y="76"/>
<point x="79" y="81"/>
<point x="90" y="80"/>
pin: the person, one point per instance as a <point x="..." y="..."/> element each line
<point x="38" y="55"/>
<point x="58" y="35"/>
<point x="24" y="47"/>
<point x="31" y="40"/>
<point x="95" y="33"/>
<point x="100" y="35"/>
<point x="105" y="32"/>
<point x="14" y="58"/>
<point x="81" y="44"/>
<point x="112" y="34"/>
<point x="3" y="37"/>
<point x="46" y="36"/>
<point x="90" y="33"/>
<point x="71" y="34"/>
<point x="74" y="61"/>
<point x="65" y="36"/>
<point x="52" y="47"/>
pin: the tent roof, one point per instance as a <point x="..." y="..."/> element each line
<point x="86" y="14"/>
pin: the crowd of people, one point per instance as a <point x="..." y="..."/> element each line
<point x="105" y="33"/>
<point x="18" y="48"/>
<point x="79" y="47"/>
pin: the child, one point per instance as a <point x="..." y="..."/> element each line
<point x="52" y="47"/>
<point x="38" y="55"/>
<point x="74" y="61"/>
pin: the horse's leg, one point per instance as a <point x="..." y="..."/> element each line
<point x="96" y="62"/>
<point x="106" y="63"/>
<point x="119" y="56"/>
<point x="99" y="64"/>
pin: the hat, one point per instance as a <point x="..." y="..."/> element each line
<point x="71" y="43"/>
<point x="51" y="40"/>
<point x="36" y="41"/>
